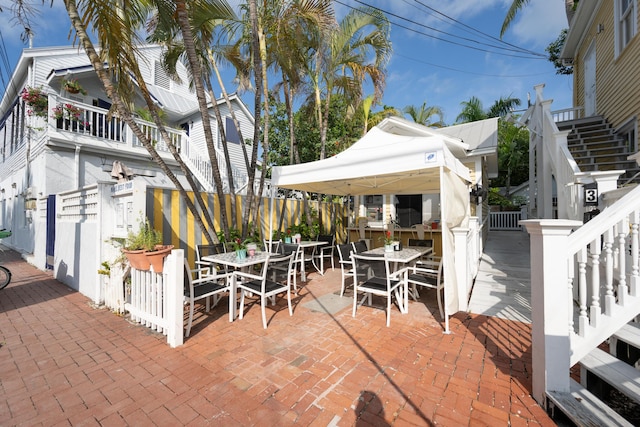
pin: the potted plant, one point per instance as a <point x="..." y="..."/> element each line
<point x="72" y="86"/>
<point x="144" y="248"/>
<point x="240" y="247"/>
<point x="387" y="239"/>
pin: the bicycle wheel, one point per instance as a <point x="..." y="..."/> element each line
<point x="5" y="277"/>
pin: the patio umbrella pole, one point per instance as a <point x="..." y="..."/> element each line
<point x="272" y="203"/>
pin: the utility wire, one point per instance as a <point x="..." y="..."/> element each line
<point x="465" y="71"/>
<point x="516" y="49"/>
<point x="475" y="30"/>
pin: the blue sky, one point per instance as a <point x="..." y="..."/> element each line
<point x="423" y="68"/>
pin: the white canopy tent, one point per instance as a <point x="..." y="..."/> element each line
<point x="391" y="163"/>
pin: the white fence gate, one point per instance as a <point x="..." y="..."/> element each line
<point x="505" y="220"/>
<point x="157" y="298"/>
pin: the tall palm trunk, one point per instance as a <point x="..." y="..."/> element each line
<point x="192" y="57"/>
<point x="125" y="113"/>
<point x="257" y="42"/>
<point x="225" y="149"/>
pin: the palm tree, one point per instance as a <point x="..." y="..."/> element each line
<point x="517" y="5"/>
<point x="423" y="114"/>
<point x="116" y="32"/>
<point x="206" y="17"/>
<point x="387" y="111"/>
<point x="342" y="62"/>
<point x="473" y="111"/>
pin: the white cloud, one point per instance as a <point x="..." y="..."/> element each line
<point x="539" y="23"/>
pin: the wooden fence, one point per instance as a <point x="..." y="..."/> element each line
<point x="168" y="213"/>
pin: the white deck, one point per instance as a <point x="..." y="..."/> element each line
<point x="502" y="287"/>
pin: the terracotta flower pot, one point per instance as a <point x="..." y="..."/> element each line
<point x="137" y="259"/>
<point x="156" y="258"/>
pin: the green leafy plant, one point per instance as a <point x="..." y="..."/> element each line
<point x="387" y="238"/>
<point x="145" y="239"/>
<point x="72" y="86"/>
<point x="105" y="268"/>
<point x="238" y="244"/>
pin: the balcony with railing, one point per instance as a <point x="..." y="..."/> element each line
<point x="85" y="120"/>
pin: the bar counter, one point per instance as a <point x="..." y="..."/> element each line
<point x="376" y="234"/>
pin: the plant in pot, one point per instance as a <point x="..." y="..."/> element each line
<point x="388" y="240"/>
<point x="72" y="86"/>
<point x="240" y="246"/>
<point x="144" y="248"/>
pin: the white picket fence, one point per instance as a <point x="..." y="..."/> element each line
<point x="157" y="298"/>
<point x="505" y="220"/>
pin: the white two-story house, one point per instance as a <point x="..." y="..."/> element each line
<point x="62" y="138"/>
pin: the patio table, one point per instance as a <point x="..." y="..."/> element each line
<point x="309" y="244"/>
<point x="406" y="255"/>
<point x="230" y="259"/>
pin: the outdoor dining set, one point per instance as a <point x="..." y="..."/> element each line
<point x="395" y="274"/>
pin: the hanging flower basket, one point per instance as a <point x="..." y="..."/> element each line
<point x="36" y="101"/>
<point x="72" y="86"/>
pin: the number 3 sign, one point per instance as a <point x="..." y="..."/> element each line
<point x="591" y="194"/>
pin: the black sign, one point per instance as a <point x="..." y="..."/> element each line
<point x="590" y="194"/>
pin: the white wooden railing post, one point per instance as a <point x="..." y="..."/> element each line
<point x="461" y="258"/>
<point x="174" y="276"/>
<point x="550" y="315"/>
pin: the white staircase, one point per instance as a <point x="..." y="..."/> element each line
<point x="585" y="279"/>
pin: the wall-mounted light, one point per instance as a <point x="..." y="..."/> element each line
<point x="600" y="28"/>
<point x="103" y="160"/>
<point x="477" y="194"/>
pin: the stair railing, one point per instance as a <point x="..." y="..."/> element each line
<point x="584" y="287"/>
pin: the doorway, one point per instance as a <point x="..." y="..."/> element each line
<point x="409" y="210"/>
<point x="590" y="81"/>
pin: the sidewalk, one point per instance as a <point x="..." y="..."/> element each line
<point x="63" y="362"/>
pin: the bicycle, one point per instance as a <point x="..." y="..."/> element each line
<point x="5" y="274"/>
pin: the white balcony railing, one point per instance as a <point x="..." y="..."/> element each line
<point x="95" y="122"/>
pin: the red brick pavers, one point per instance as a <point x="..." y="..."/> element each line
<point x="63" y="362"/>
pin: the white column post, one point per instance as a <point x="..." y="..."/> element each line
<point x="461" y="258"/>
<point x="174" y="275"/>
<point x="550" y="315"/>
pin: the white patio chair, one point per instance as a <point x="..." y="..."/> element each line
<point x="427" y="274"/>
<point x="377" y="281"/>
<point x="202" y="288"/>
<point x="325" y="251"/>
<point x="264" y="287"/>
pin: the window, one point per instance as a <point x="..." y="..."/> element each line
<point x="628" y="133"/>
<point x="625" y="15"/>
<point x="373" y="207"/>
<point x="231" y="132"/>
<point x="160" y="77"/>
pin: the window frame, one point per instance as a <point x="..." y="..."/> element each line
<point x="622" y="17"/>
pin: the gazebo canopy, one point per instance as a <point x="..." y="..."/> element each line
<point x="411" y="160"/>
<point x="379" y="163"/>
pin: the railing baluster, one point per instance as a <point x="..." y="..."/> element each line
<point x="634" y="281"/>
<point x="622" y="228"/>
<point x="594" y="310"/>
<point x="583" y="319"/>
<point x="609" y="300"/>
<point x="570" y="279"/>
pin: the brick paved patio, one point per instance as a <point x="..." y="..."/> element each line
<point x="64" y="362"/>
